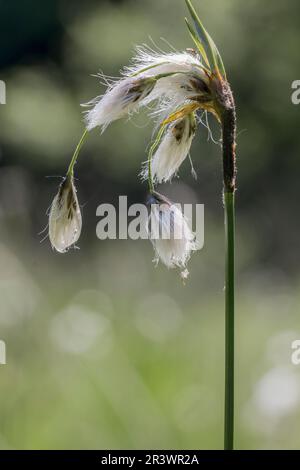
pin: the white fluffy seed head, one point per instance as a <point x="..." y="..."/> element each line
<point x="145" y="81"/>
<point x="65" y="220"/>
<point x="186" y="67"/>
<point x="120" y="99"/>
<point x="170" y="234"/>
<point x="150" y="63"/>
<point x="172" y="150"/>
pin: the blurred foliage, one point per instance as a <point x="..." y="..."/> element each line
<point x="104" y="350"/>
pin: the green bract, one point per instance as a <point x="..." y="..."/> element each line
<point x="205" y="43"/>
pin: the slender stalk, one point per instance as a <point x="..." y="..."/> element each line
<point x="76" y="153"/>
<point x="229" y="200"/>
<point x="150" y="179"/>
<point x="229" y="174"/>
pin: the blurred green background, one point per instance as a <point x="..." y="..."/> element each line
<point x="103" y="349"/>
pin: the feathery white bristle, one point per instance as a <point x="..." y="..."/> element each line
<point x="162" y="62"/>
<point x="170" y="234"/>
<point x="121" y="98"/>
<point x="172" y="150"/>
<point x="146" y="68"/>
<point x="182" y="64"/>
<point x="65" y="220"/>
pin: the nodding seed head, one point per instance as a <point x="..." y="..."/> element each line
<point x="171" y="237"/>
<point x="65" y="217"/>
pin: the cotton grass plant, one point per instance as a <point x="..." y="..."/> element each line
<point x="176" y="87"/>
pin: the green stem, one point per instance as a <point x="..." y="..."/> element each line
<point x="225" y="103"/>
<point x="229" y="200"/>
<point x="76" y="153"/>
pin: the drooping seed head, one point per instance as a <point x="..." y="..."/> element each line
<point x="172" y="150"/>
<point x="169" y="232"/>
<point x="65" y="220"/>
<point x="121" y="99"/>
